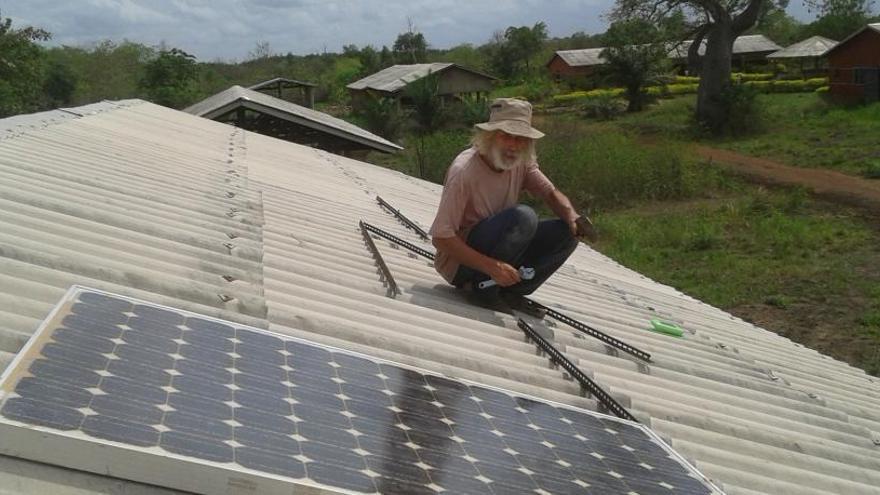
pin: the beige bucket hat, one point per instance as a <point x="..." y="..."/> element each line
<point x="512" y="116"/>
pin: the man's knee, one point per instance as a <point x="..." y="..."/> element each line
<point x="525" y="219"/>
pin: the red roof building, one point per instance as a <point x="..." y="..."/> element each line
<point x="855" y="66"/>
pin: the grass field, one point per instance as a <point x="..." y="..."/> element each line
<point x="797" y="129"/>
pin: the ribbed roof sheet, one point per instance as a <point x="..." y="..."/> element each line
<point x="237" y="96"/>
<point x="283" y="80"/>
<point x="814" y="46"/>
<point x="586" y="57"/>
<point x="158" y="204"/>
<point x="749" y="44"/>
<point x="396" y="77"/>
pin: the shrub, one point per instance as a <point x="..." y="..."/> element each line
<point x="604" y="107"/>
<point x="742" y="110"/>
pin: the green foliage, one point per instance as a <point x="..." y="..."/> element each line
<point x="511" y="52"/>
<point x="59" y="85"/>
<point x="739" y="102"/>
<point x="170" y="79"/>
<point x="634" y="59"/>
<point x="472" y="110"/>
<point x="604" y="107"/>
<point x="773" y="254"/>
<point x="604" y="168"/>
<point x="427" y="107"/>
<point x="21" y="68"/>
<point x="410" y="48"/>
<point x="426" y="155"/>
<point x="381" y="116"/>
<point x="838" y="18"/>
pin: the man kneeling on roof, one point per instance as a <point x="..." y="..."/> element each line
<point x="481" y="232"/>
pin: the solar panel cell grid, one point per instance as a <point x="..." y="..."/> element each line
<point x="143" y="376"/>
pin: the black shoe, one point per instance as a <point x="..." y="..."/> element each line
<point x="521" y="304"/>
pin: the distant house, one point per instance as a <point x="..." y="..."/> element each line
<point x="854" y="65"/>
<point x="280" y="87"/>
<point x="455" y="81"/>
<point x="749" y="49"/>
<point x="567" y="64"/>
<point x="808" y="55"/>
<point x="258" y="112"/>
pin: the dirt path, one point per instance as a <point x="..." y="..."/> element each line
<point x="835" y="186"/>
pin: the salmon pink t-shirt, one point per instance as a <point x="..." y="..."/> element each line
<point x="472" y="192"/>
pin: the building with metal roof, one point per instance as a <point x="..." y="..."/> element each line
<point x="454" y="81"/>
<point x="753" y="48"/>
<point x="854" y="64"/>
<point x="255" y="111"/>
<point x="808" y="55"/>
<point x="145" y="201"/>
<point x="281" y="87"/>
<point x="573" y="63"/>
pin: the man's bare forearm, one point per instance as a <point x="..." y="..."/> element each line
<point x="561" y="205"/>
<point x="458" y="250"/>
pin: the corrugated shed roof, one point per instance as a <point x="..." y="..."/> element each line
<point x="753" y="43"/>
<point x="238" y="97"/>
<point x="277" y="80"/>
<point x="814" y="46"/>
<point x="146" y="201"/>
<point x="582" y="58"/>
<point x="396" y="77"/>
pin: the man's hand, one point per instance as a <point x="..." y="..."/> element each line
<point x="583" y="227"/>
<point x="503" y="274"/>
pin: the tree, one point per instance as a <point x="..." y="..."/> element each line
<point x="386" y="58"/>
<point x="170" y="79"/>
<point x="21" y="68"/>
<point x="780" y="27"/>
<point x="59" y="85"/>
<point x="427" y="111"/>
<point x="718" y="23"/>
<point x="410" y="47"/>
<point x="511" y="51"/>
<point x="838" y="18"/>
<point x="635" y="58"/>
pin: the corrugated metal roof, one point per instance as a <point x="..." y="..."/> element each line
<point x="396" y="77"/>
<point x="237" y="96"/>
<point x="814" y="46"/>
<point x="749" y="44"/>
<point x="277" y="80"/>
<point x="158" y="204"/>
<point x="582" y="58"/>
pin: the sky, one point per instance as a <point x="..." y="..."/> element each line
<point x="230" y="30"/>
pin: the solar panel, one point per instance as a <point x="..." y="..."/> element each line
<point x="122" y="387"/>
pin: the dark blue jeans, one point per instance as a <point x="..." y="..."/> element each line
<point x="516" y="237"/>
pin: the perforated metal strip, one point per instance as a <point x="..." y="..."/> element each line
<point x="592" y="332"/>
<point x="409" y="223"/>
<point x="393" y="290"/>
<point x="412" y="247"/>
<point x="586" y="383"/>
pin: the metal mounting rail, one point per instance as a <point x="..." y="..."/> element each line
<point x="592" y="332"/>
<point x="587" y="384"/>
<point x="393" y="290"/>
<point x="397" y="240"/>
<point x="409" y="223"/>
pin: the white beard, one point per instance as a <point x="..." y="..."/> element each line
<point x="503" y="162"/>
